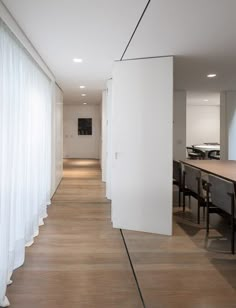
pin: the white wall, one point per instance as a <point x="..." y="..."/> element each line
<point x="57" y="139"/>
<point x="179" y="125"/>
<point x="104" y="136"/>
<point x="228" y="125"/>
<point x="78" y="146"/>
<point x="223" y="127"/>
<point x="203" y="124"/>
<point x="59" y="136"/>
<point x="109" y="140"/>
<point x="142" y="137"/>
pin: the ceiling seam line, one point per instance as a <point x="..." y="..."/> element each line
<point x="144" y="58"/>
<point x="141" y="17"/>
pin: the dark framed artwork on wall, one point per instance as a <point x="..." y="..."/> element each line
<point x="85" y="126"/>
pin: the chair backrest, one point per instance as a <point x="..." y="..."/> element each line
<point x="192" y="178"/>
<point x="177" y="171"/>
<point x="189" y="149"/>
<point x="200" y="152"/>
<point x="221" y="192"/>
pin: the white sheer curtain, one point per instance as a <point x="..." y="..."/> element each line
<point x="25" y="153"/>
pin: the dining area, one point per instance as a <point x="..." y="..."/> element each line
<point x="211" y="183"/>
<point x="208" y="150"/>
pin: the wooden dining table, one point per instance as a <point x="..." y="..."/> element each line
<point x="225" y="169"/>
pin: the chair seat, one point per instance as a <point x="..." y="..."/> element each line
<point x="214" y="154"/>
<point x="215" y="157"/>
<point x="194" y="155"/>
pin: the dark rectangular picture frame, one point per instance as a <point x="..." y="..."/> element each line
<point x="85" y="126"/>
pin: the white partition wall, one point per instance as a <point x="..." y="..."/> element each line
<point x="104" y="135"/>
<point x="109" y="139"/>
<point x="179" y="125"/>
<point x="57" y="138"/>
<point x="142" y="123"/>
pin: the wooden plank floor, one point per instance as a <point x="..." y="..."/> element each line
<point x="185" y="270"/>
<point x="79" y="260"/>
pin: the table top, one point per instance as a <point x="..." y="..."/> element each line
<point x="207" y="147"/>
<point x="222" y="168"/>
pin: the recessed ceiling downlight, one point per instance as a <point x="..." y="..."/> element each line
<point x="205" y="100"/>
<point x="211" y="75"/>
<point x="77" y="60"/>
<point x="83" y="94"/>
<point x="82" y="87"/>
<point x="85" y="103"/>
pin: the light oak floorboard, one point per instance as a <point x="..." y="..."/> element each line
<point x="185" y="270"/>
<point x="78" y="259"/>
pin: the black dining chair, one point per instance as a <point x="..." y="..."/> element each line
<point x="192" y="186"/>
<point x="214" y="154"/>
<point x="201" y="153"/>
<point x="194" y="153"/>
<point x="177" y="178"/>
<point x="221" y="200"/>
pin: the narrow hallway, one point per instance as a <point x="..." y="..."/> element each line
<point x="78" y="260"/>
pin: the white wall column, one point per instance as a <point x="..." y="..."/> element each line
<point x="228" y="125"/>
<point x="223" y="128"/>
<point x="109" y="140"/>
<point x="179" y="125"/>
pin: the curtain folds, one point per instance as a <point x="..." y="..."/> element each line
<point x="25" y="153"/>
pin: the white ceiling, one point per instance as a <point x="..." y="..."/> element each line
<point x="96" y="31"/>
<point x="201" y="34"/>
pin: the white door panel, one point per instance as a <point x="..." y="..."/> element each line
<point x="142" y="145"/>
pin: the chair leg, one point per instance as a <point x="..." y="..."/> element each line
<point x="184" y="202"/>
<point x="179" y="197"/>
<point x="208" y="219"/>
<point x="232" y="235"/>
<point x="204" y="211"/>
<point x="198" y="212"/>
<point x="189" y="201"/>
<point x="232" y="224"/>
